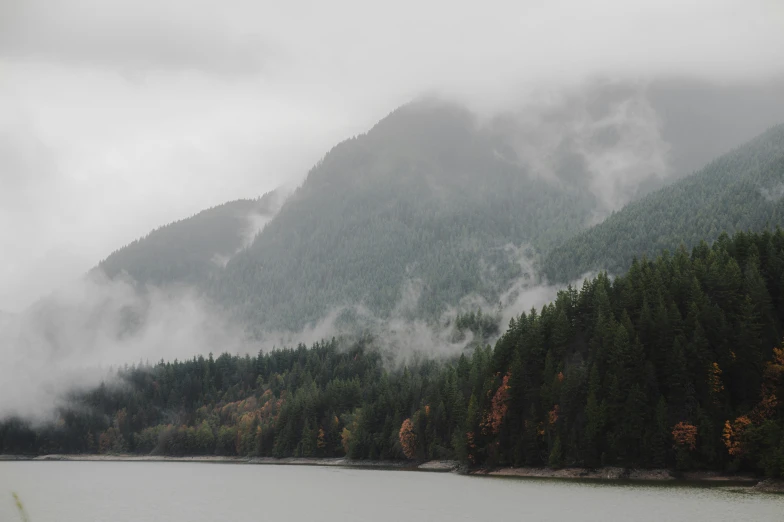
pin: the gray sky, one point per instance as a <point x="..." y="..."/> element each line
<point x="117" y="116"/>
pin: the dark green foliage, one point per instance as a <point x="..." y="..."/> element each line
<point x="483" y="326"/>
<point x="601" y="376"/>
<point x="740" y="191"/>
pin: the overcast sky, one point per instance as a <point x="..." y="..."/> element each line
<point x="117" y="116"/>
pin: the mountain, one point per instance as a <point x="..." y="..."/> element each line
<point x="435" y="207"/>
<point x="426" y="208"/>
<point x="742" y="190"/>
<point x="193" y="249"/>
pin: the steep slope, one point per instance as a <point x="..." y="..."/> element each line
<point x="741" y="190"/>
<point x="423" y="210"/>
<point x="193" y="249"/>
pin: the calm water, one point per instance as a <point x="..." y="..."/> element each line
<point x="161" y="491"/>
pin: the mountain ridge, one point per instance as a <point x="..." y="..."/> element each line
<point x="739" y="191"/>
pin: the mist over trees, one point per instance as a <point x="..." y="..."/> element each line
<point x="678" y="364"/>
<point x="424" y="196"/>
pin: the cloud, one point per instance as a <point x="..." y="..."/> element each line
<point x="148" y="112"/>
<point x="69" y="341"/>
<point x="131" y="36"/>
<point x="772" y="194"/>
<point x="604" y="137"/>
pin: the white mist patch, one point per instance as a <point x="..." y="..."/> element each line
<point x="636" y="154"/>
<point x="772" y="194"/>
<point x="530" y="290"/>
<point x="603" y="139"/>
<point x="255" y="221"/>
<point x="401" y="337"/>
<point x="68" y="341"/>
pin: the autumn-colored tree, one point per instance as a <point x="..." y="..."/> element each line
<point x="498" y="408"/>
<point x="345" y="439"/>
<point x="772" y="381"/>
<point x="408" y="439"/>
<point x="121" y="419"/>
<point x="552" y="415"/>
<point x="714" y="380"/>
<point x="471" y="446"/>
<point x="685" y="435"/>
<point x="733" y="435"/>
<point x="772" y="387"/>
<point x="321" y="441"/>
<point x="111" y="441"/>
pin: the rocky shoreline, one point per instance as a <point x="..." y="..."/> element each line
<point x="621" y="474"/>
<point x="748" y="482"/>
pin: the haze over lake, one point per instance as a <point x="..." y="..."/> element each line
<point x="160" y="491"/>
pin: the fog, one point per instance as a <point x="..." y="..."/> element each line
<point x="70" y="341"/>
<point x="82" y="333"/>
<point x="117" y="117"/>
<point x="112" y="108"/>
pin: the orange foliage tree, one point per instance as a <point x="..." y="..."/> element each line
<point x="685" y="435"/>
<point x="552" y="415"/>
<point x="714" y="379"/>
<point x="471" y="446"/>
<point x="408" y="438"/>
<point x="733" y="434"/>
<point x="772" y="382"/>
<point x="345" y="439"/>
<point x="499" y="406"/>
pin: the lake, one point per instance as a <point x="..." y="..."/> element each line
<point x="191" y="492"/>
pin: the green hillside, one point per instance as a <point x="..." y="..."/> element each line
<point x="423" y="198"/>
<point x="193" y="249"/>
<point x="739" y="191"/>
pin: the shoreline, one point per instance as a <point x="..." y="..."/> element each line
<point x="430" y="466"/>
<point x="608" y="474"/>
<point x="623" y="474"/>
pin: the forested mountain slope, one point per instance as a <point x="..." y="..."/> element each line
<point x="670" y="365"/>
<point x="193" y="249"/>
<point x="742" y="190"/>
<point x="431" y="207"/>
<point x="427" y="196"/>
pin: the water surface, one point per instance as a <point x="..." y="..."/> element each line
<point x="194" y="492"/>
